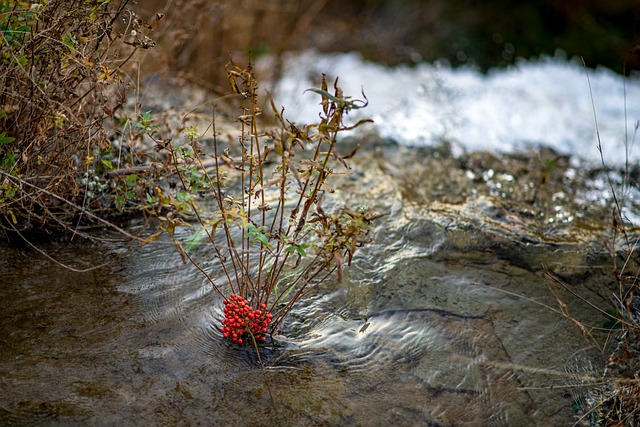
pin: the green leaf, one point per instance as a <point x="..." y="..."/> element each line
<point x="9" y="160"/>
<point x="4" y="139"/>
<point x="191" y="132"/>
<point x="327" y="95"/>
<point x="69" y="40"/>
<point x="13" y="217"/>
<point x="183" y="196"/>
<point x="342" y="102"/>
<point x="131" y="179"/>
<point x="284" y="280"/>
<point x="257" y="233"/>
<point x="196" y="238"/>
<point x="146" y="116"/>
<point x="119" y="201"/>
<point x="298" y="249"/>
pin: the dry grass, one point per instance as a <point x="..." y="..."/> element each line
<point x="614" y="400"/>
<point x="66" y="72"/>
<point x="59" y="81"/>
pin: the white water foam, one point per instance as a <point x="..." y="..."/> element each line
<point x="544" y="102"/>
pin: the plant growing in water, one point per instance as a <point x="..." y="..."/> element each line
<point x="274" y="234"/>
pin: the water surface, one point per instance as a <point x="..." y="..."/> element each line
<point x="446" y="318"/>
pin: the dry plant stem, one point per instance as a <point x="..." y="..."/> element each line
<point x="255" y="163"/>
<point x="617" y="218"/>
<point x="618" y="228"/>
<point x="303" y="215"/>
<point x="202" y="222"/>
<point x="274" y="252"/>
<point x="209" y="278"/>
<point x="225" y="225"/>
<point x="303" y="291"/>
<point x="580" y="297"/>
<point x="243" y="190"/>
<point x="587" y="379"/>
<point x="261" y="160"/>
<point x="279" y="218"/>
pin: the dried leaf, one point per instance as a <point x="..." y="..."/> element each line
<point x="234" y="86"/>
<point x="325" y="101"/>
<point x="296" y="174"/>
<point x="151" y="238"/>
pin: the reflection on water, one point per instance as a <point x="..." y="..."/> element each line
<point x="433" y="326"/>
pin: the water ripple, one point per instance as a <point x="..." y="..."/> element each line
<point x="394" y="338"/>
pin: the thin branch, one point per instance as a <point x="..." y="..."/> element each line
<point x="49" y="257"/>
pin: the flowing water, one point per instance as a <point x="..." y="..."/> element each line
<point x="439" y="322"/>
<point x="446" y="318"/>
<point x="548" y="102"/>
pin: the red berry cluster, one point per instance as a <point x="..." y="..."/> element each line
<point x="241" y="319"/>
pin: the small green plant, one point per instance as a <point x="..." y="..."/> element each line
<point x="274" y="232"/>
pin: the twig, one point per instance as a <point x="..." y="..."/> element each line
<point x="49" y="257"/>
<point x="130" y="170"/>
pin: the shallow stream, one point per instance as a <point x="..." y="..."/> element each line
<point x="446" y="318"/>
